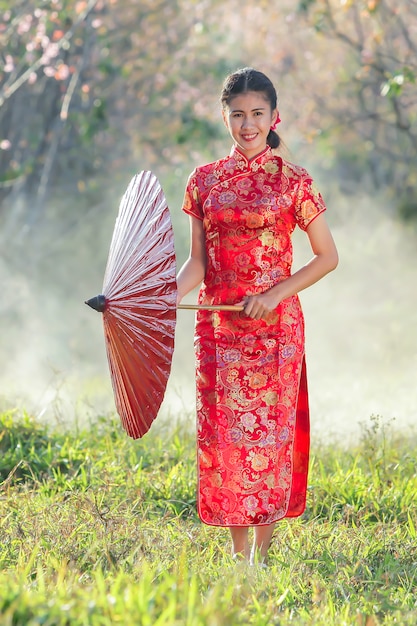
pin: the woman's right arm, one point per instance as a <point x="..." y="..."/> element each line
<point x="194" y="269"/>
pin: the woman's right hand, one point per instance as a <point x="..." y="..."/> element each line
<point x="261" y="305"/>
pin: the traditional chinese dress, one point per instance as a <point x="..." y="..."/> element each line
<point x="252" y="402"/>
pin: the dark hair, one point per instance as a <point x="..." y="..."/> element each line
<point x="248" y="79"/>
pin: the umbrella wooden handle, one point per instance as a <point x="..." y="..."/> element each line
<point x="212" y="307"/>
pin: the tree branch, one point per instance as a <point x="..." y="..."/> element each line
<point x="6" y="93"/>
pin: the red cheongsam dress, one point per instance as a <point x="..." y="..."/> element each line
<point x="252" y="402"/>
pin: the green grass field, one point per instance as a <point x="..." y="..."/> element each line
<point x="98" y="529"/>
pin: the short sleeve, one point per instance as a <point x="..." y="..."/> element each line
<point x="309" y="202"/>
<point x="192" y="204"/>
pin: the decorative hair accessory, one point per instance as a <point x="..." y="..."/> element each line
<point x="275" y="124"/>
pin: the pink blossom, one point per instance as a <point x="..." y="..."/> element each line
<point x="9" y="65"/>
<point x="24" y="24"/>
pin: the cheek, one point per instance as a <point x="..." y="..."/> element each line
<point x="232" y="125"/>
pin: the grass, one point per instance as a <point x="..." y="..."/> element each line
<point x="98" y="529"/>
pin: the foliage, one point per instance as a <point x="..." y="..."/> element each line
<point x="105" y="87"/>
<point x="51" y="54"/>
<point x="99" y="86"/>
<point x="374" y="96"/>
<point x="114" y="538"/>
<point x="82" y="79"/>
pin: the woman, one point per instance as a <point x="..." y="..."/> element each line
<point x="252" y="403"/>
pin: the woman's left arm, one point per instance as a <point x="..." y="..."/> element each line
<point x="325" y="260"/>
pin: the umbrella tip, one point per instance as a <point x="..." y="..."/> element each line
<point x="98" y="303"/>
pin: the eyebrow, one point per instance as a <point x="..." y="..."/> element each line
<point x="252" y="110"/>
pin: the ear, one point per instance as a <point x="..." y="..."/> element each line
<point x="225" y="118"/>
<point x="274" y="116"/>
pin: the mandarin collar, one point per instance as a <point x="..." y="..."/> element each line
<point x="266" y="154"/>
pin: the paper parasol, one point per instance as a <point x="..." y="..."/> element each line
<point x="138" y="303"/>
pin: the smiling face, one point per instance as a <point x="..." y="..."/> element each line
<point x="249" y="117"/>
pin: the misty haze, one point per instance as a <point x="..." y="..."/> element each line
<point x="360" y="321"/>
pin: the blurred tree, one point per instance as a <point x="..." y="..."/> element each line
<point x="84" y="83"/>
<point x="374" y="97"/>
<point x="46" y="97"/>
<point x="92" y="88"/>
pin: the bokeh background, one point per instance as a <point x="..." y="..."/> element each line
<point x="92" y="92"/>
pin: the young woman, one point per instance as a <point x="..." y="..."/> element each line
<point x="252" y="403"/>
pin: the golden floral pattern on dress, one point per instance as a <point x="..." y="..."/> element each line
<point x="252" y="401"/>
